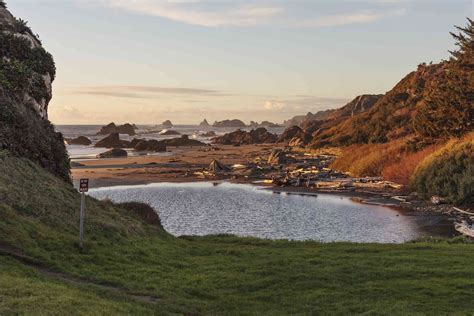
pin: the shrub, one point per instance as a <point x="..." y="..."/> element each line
<point x="448" y="172"/>
<point x="369" y="159"/>
<point x="401" y="170"/>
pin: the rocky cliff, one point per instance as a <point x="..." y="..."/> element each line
<point x="26" y="74"/>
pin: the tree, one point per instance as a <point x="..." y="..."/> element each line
<point x="449" y="107"/>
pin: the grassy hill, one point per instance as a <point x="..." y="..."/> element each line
<point x="434" y="102"/>
<point x="130" y="266"/>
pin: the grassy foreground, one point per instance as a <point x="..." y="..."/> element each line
<point x="130" y="267"/>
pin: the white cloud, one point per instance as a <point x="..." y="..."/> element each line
<point x="188" y="12"/>
<point x="244" y="13"/>
<point x="273" y="105"/>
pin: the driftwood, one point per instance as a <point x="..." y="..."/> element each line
<point x="462" y="211"/>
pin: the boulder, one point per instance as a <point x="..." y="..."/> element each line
<point x="121" y="129"/>
<point x="230" y="123"/>
<point x="239" y="137"/>
<point x="150" y="145"/>
<point x="135" y="142"/>
<point x="112" y="141"/>
<point x="204" y="123"/>
<point x="81" y="140"/>
<point x="277" y="157"/>
<point x="294" y="132"/>
<point x="167" y="124"/>
<point x="113" y="153"/>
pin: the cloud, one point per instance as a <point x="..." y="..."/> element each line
<point x="245" y="13"/>
<point x="273" y="105"/>
<point x="144" y="92"/>
<point x="191" y="12"/>
<point x="361" y="17"/>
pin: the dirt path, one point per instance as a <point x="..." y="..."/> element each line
<point x="7" y="250"/>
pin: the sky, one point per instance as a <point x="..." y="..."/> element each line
<point x="146" y="61"/>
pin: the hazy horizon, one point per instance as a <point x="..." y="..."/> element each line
<point x="146" y="61"/>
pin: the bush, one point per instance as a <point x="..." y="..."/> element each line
<point x="449" y="172"/>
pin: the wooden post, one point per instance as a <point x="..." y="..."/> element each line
<point x="83" y="188"/>
<point x="81" y="224"/>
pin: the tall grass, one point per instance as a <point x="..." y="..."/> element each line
<point x="448" y="172"/>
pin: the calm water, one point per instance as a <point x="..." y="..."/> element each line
<point x="246" y="210"/>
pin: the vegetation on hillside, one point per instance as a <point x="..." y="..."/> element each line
<point x="129" y="266"/>
<point x="448" y="172"/>
<point x="23" y="69"/>
<point x="436" y="101"/>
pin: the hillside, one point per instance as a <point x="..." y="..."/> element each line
<point x="131" y="267"/>
<point x="435" y="101"/>
<point x="26" y="75"/>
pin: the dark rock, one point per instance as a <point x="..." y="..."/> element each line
<point x="113" y="153"/>
<point x="230" y="123"/>
<point x="204" y="123"/>
<point x="239" y="137"/>
<point x="294" y="132"/>
<point x="121" y="129"/>
<point x="150" y="145"/>
<point x="135" y="141"/>
<point x="112" y="141"/>
<point x="167" y="124"/>
<point x="81" y="140"/>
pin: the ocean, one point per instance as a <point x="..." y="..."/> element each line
<point x="144" y="131"/>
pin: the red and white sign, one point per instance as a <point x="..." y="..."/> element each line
<point x="84" y="185"/>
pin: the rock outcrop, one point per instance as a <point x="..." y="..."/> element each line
<point x="167" y="124"/>
<point x="111" y="128"/>
<point x="294" y="132"/>
<point x="230" y="123"/>
<point x="26" y="75"/>
<point x="81" y="140"/>
<point x="113" y="153"/>
<point x="204" y="123"/>
<point x="150" y="145"/>
<point x="239" y="137"/>
<point x="112" y="141"/>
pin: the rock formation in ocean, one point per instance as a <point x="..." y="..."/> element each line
<point x="167" y="124"/>
<point x="239" y="137"/>
<point x="204" y="123"/>
<point x="27" y="71"/>
<point x="111" y="128"/>
<point x="230" y="123"/>
<point x="112" y="141"/>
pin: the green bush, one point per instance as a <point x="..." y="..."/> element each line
<point x="449" y="173"/>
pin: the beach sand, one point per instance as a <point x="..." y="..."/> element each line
<point x="178" y="165"/>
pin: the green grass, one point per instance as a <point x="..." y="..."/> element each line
<point x="208" y="275"/>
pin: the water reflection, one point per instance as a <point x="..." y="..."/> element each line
<point x="246" y="210"/>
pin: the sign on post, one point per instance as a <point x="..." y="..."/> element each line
<point x="84" y="185"/>
<point x="83" y="188"/>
